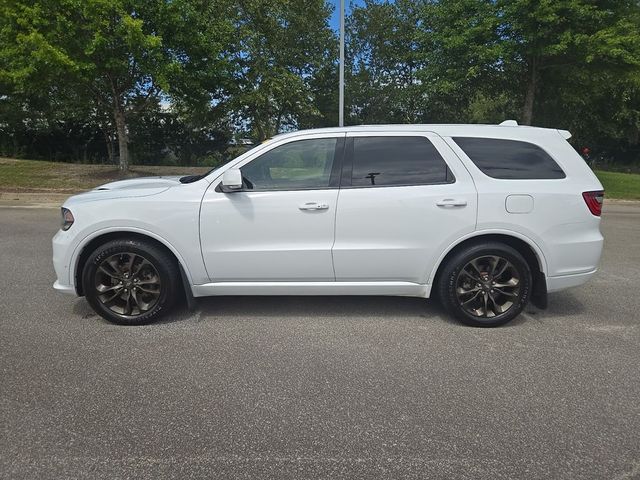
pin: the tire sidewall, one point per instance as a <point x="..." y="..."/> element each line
<point x="149" y="252"/>
<point x="455" y="265"/>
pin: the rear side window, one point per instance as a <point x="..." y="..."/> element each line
<point x="510" y="159"/>
<point x="389" y="161"/>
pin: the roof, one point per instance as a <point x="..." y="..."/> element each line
<point x="507" y="129"/>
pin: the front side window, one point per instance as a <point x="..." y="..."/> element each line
<point x="397" y="161"/>
<point x="510" y="159"/>
<point x="304" y="164"/>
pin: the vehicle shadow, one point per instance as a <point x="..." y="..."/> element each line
<point x="328" y="307"/>
<point x="239" y="308"/>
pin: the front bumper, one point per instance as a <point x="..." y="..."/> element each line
<point x="62" y="250"/>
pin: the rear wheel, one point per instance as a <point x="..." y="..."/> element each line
<point x="130" y="282"/>
<point x="485" y="285"/>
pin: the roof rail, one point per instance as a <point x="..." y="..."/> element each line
<point x="509" y="123"/>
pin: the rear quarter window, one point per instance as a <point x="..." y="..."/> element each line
<point x="510" y="159"/>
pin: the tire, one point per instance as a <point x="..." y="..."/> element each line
<point x="472" y="277"/>
<point x="130" y="281"/>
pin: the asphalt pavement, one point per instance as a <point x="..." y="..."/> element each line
<point x="318" y="387"/>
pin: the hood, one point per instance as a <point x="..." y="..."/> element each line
<point x="132" y="187"/>
<point x="143" y="183"/>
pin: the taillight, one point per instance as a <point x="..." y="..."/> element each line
<point x="594" y="201"/>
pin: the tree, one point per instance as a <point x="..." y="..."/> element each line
<point x="384" y="51"/>
<point x="544" y="39"/>
<point x="463" y="54"/>
<point x="111" y="51"/>
<point x="281" y="46"/>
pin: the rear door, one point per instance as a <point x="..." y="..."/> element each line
<point x="404" y="198"/>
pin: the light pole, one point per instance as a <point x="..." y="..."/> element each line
<point x="341" y="82"/>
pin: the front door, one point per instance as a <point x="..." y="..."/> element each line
<point x="404" y="199"/>
<point x="281" y="226"/>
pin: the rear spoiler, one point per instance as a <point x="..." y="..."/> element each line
<point x="566" y="134"/>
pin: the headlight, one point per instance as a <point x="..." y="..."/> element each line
<point x="67" y="219"/>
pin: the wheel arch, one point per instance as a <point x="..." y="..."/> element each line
<point x="527" y="248"/>
<point x="100" y="238"/>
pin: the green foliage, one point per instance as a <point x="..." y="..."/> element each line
<point x="624" y="186"/>
<point x="281" y="46"/>
<point x="42" y="176"/>
<point x="386" y="53"/>
<point x="570" y="64"/>
<point x="119" y="56"/>
<point x="172" y="81"/>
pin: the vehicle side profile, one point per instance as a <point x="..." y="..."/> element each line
<point x="484" y="217"/>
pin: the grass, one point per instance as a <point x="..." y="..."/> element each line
<point x="624" y="186"/>
<point x="39" y="176"/>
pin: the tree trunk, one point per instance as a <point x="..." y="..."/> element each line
<point x="123" y="139"/>
<point x="529" y="99"/>
<point x="261" y="131"/>
<point x="634" y="136"/>
<point x="109" y="143"/>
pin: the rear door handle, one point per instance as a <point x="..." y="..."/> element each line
<point x="314" y="206"/>
<point x="451" y="202"/>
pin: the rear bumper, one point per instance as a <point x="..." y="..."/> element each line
<point x="68" y="289"/>
<point x="555" y="284"/>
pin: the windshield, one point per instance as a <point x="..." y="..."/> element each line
<point x="195" y="178"/>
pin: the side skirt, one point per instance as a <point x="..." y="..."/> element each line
<point x="403" y="289"/>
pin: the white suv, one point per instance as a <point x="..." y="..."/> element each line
<point x="485" y="217"/>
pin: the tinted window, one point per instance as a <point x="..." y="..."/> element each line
<point x="296" y="165"/>
<point x="510" y="159"/>
<point x="383" y="161"/>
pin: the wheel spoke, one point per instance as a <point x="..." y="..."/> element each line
<point x="499" y="273"/>
<point x="143" y="263"/>
<point x="508" y="294"/>
<point x="485" y="299"/>
<point x="494" y="264"/>
<point x="142" y="305"/>
<point x="497" y="308"/>
<point x="475" y="266"/>
<point x="513" y="283"/>
<point x="127" y="307"/>
<point x="117" y="294"/>
<point x="109" y="271"/>
<point x="465" y="272"/>
<point x="105" y="288"/>
<point x="471" y="299"/>
<point x="114" y="264"/>
<point x="463" y="291"/>
<point x="149" y="281"/>
<point x="149" y="290"/>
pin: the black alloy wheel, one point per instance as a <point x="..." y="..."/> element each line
<point x="130" y="282"/>
<point x="485" y="285"/>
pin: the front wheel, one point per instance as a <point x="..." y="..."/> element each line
<point x="130" y="282"/>
<point x="485" y="285"/>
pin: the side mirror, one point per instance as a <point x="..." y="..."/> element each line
<point x="232" y="181"/>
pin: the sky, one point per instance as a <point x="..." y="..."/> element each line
<point x="335" y="18"/>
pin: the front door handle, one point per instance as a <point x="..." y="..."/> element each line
<point x="451" y="202"/>
<point x="314" y="206"/>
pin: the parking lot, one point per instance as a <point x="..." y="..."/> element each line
<point x="318" y="387"/>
